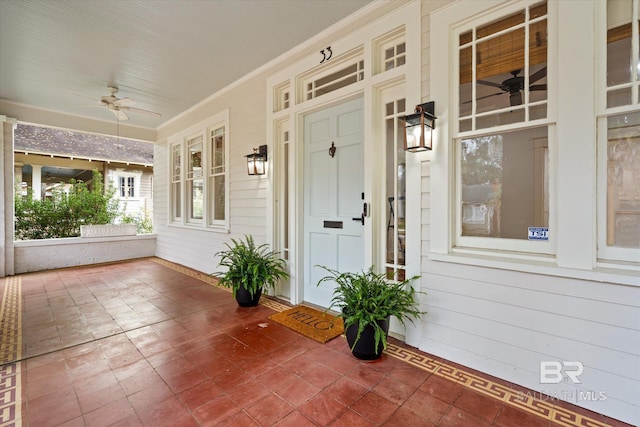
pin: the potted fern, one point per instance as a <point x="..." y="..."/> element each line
<point x="366" y="301"/>
<point x="250" y="268"/>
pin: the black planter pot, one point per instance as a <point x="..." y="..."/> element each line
<point x="365" y="348"/>
<point x="244" y="299"/>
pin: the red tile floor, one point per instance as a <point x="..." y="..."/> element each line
<point x="150" y="343"/>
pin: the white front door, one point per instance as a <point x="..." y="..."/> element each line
<point x="333" y="196"/>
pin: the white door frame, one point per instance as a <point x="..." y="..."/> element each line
<point x="288" y="79"/>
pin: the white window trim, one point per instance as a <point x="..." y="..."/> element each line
<point x="137" y="176"/>
<point x="172" y="145"/>
<point x="608" y="256"/>
<point x="203" y="128"/>
<point x="187" y="179"/>
<point x="389" y="40"/>
<point x="541" y="248"/>
<point x="209" y="175"/>
<point x="573" y="189"/>
<point x="454" y="242"/>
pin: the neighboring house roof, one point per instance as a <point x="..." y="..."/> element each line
<point x="65" y="143"/>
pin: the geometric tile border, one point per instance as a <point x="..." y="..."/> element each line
<point x="268" y="302"/>
<point x="11" y="321"/>
<point x="10" y="394"/>
<point x="541" y="408"/>
<point x="10" y="350"/>
<point x="538" y="407"/>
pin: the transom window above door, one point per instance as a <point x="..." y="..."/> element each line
<point x="503" y="70"/>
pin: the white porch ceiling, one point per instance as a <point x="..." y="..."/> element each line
<point x="167" y="55"/>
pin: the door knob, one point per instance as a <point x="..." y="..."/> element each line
<point x="359" y="218"/>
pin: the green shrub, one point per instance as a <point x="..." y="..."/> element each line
<point x="250" y="266"/>
<point x="62" y="214"/>
<point x="365" y="298"/>
<point x="142" y="220"/>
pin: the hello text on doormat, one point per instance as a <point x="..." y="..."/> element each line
<point x="312" y="323"/>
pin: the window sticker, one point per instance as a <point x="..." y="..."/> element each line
<point x="538" y="233"/>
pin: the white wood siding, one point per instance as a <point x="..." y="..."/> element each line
<point x="505" y="322"/>
<point x="142" y="200"/>
<point x="195" y="247"/>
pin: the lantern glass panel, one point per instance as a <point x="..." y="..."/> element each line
<point x="251" y="164"/>
<point x="255" y="164"/>
<point x="259" y="165"/>
<point x="418" y="132"/>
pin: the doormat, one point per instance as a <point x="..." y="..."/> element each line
<point x="312" y="323"/>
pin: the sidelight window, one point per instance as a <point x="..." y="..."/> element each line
<point x="396" y="191"/>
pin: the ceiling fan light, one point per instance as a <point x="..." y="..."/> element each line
<point x="515" y="98"/>
<point x="119" y="105"/>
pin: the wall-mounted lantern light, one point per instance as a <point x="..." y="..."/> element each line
<point x="419" y="128"/>
<point x="256" y="161"/>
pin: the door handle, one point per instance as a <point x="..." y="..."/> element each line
<point x="364" y="213"/>
<point x="359" y="218"/>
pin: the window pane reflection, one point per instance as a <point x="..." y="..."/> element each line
<point x="504" y="181"/>
<point x="623" y="181"/>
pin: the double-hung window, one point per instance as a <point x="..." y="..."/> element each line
<point x="176" y="183"/>
<point x="126" y="187"/>
<point x="195" y="183"/>
<point x="501" y="131"/>
<point x="198" y="175"/>
<point x="217" y="175"/>
<point x="619" y="135"/>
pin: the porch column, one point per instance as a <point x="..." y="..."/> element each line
<point x="7" y="126"/>
<point x="36" y="181"/>
<point x="17" y="173"/>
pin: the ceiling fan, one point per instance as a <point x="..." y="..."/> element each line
<point x="120" y="105"/>
<point x="515" y="84"/>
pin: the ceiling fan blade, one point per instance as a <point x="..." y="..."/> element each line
<point x="125" y="102"/>
<point x="538" y="87"/>
<point x="488" y="83"/>
<point x="485" y="97"/>
<point x="141" y="111"/>
<point x="541" y="73"/>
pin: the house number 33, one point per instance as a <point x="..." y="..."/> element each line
<point x="326" y="54"/>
